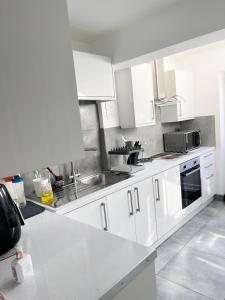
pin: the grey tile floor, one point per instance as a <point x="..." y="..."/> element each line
<point x="191" y="263"/>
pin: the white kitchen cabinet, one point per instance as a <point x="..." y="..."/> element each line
<point x="208" y="175"/>
<point x="145" y="219"/>
<point x="93" y="214"/>
<point x="131" y="213"/>
<point x="135" y="95"/>
<point x="178" y="84"/>
<point x="168" y="200"/>
<point x="39" y="114"/>
<point x="94" y="77"/>
<point x="121" y="211"/>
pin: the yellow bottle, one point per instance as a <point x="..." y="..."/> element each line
<point x="47" y="196"/>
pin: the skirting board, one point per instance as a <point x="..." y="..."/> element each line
<point x="220" y="197"/>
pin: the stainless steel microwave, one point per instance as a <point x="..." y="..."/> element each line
<point x="181" y="141"/>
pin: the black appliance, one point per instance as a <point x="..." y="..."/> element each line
<point x="190" y="181"/>
<point x="11" y="220"/>
<point x="181" y="141"/>
<point x="133" y="157"/>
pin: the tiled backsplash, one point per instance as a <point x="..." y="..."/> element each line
<point x="104" y="139"/>
<point x="150" y="137"/>
<point x="207" y="126"/>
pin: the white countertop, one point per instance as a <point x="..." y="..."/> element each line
<point x="151" y="168"/>
<point x="73" y="261"/>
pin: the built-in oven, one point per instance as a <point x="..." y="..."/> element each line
<point x="190" y="181"/>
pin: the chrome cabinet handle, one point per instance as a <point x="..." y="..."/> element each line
<point x="180" y="109"/>
<point x="209" y="177"/>
<point x="105" y="217"/>
<point x="129" y="193"/>
<point x="211" y="165"/>
<point x="206" y="156"/>
<point x="153" y="110"/>
<point x="138" y="209"/>
<point x="157" y="189"/>
<point x="191" y="172"/>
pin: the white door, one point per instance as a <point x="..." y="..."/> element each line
<point x="121" y="213"/>
<point x="143" y="94"/>
<point x="94" y="214"/>
<point x="94" y="76"/>
<point x="168" y="201"/>
<point x="145" y="212"/>
<point x="185" y="94"/>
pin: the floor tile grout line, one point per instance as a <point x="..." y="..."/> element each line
<point x="187" y="288"/>
<point x="173" y="257"/>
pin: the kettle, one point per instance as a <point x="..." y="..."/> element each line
<point x="11" y="220"/>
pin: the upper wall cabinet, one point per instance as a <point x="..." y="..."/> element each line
<point x="135" y="94"/>
<point x="178" y="84"/>
<point x="39" y="114"/>
<point x="94" y="77"/>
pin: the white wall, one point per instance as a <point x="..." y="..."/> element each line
<point x="207" y="64"/>
<point x="181" y="22"/>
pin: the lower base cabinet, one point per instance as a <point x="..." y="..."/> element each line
<point x="168" y="199"/>
<point x="145" y="219"/>
<point x="208" y="175"/>
<point x="131" y="213"/>
<point x="149" y="209"/>
<point x="121" y="212"/>
<point x="93" y="214"/>
<point x="128" y="213"/>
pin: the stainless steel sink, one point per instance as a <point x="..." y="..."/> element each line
<point x="85" y="186"/>
<point x="103" y="179"/>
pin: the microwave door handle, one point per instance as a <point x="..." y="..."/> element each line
<point x="191" y="172"/>
<point x="186" y="142"/>
<point x="198" y="138"/>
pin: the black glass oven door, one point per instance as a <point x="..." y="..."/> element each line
<point x="190" y="186"/>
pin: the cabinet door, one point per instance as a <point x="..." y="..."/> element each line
<point x="94" y="76"/>
<point x="143" y="94"/>
<point x="93" y="214"/>
<point x="121" y="212"/>
<point x="168" y="201"/>
<point x="145" y="212"/>
<point x="185" y="93"/>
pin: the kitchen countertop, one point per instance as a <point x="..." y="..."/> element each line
<point x="73" y="261"/>
<point x="151" y="168"/>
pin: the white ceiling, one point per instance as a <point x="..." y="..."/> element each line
<point x="90" y="18"/>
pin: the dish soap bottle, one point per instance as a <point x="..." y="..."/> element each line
<point x="21" y="266"/>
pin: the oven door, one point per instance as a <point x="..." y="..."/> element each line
<point x="190" y="186"/>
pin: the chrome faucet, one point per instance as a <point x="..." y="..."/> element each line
<point x="74" y="173"/>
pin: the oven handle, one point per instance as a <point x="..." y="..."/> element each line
<point x="191" y="172"/>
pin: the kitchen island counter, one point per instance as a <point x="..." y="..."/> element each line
<point x="73" y="261"/>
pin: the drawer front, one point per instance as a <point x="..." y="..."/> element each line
<point x="207" y="159"/>
<point x="209" y="169"/>
<point x="209" y="189"/>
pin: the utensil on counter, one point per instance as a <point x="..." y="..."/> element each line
<point x="58" y="183"/>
